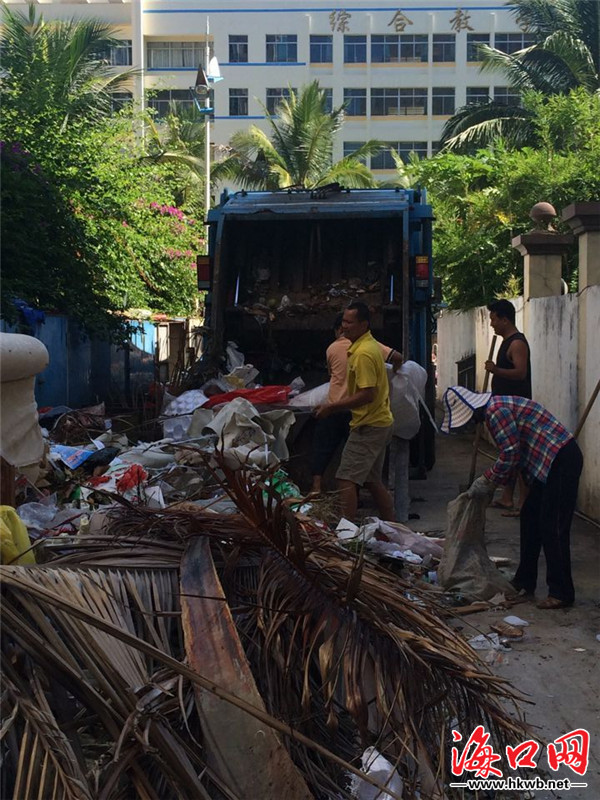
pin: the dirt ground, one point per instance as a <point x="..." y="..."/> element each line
<point x="555" y="664"/>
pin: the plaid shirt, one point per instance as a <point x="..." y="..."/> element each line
<point x="527" y="436"/>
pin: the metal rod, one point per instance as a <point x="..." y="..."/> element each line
<point x="207" y="129"/>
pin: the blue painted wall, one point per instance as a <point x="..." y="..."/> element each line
<point x="84" y="371"/>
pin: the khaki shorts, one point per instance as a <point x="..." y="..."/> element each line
<point x="363" y="455"/>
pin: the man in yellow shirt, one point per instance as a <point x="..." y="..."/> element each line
<point x="333" y="430"/>
<point x="371" y="424"/>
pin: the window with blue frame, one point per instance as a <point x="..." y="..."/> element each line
<point x="175" y="55"/>
<point x="507" y="96"/>
<point x="443" y="47"/>
<point x="473" y="42"/>
<point x="168" y="100"/>
<point x="443" y="101"/>
<point x="118" y="100"/>
<point x="238" y="49"/>
<point x="274" y="98"/>
<point x="238" y="102"/>
<point x="414" y="47"/>
<point x="321" y="49"/>
<point x="389" y="102"/>
<point x="352" y="147"/>
<point x="512" y="42"/>
<point x="328" y="99"/>
<point x="355" y="49"/>
<point x="384" y="49"/>
<point x="356" y="100"/>
<point x="478" y="94"/>
<point x="385" y="160"/>
<point x="282" y="48"/>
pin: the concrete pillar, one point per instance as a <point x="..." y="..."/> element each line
<point x="542" y="253"/>
<point x="584" y="220"/>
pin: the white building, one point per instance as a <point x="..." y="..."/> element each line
<point x="402" y="69"/>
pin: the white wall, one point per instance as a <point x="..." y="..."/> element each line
<point x="565" y="360"/>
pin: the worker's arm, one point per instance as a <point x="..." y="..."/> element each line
<point x="504" y="430"/>
<point x="360" y="398"/>
<point x="396" y="359"/>
<point x="517" y="353"/>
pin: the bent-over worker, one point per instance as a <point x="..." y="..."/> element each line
<point x="529" y="439"/>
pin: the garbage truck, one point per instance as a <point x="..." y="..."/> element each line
<point x="281" y="265"/>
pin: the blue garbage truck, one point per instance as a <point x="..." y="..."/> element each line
<point x="281" y="265"/>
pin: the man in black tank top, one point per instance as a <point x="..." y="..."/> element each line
<point x="511" y="373"/>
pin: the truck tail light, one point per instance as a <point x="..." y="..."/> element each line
<point x="422" y="272"/>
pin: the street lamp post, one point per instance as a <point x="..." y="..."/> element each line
<point x="206" y="75"/>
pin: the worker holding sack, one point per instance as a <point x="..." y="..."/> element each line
<point x="529" y="438"/>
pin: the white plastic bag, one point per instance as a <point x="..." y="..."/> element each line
<point x="234" y="357"/>
<point x="407" y="390"/>
<point x="312" y="398"/>
<point x="380" y="769"/>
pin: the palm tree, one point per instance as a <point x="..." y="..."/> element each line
<point x="57" y="67"/>
<point x="565" y="55"/>
<point x="299" y="150"/>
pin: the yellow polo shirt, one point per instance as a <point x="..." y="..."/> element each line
<point x="337" y="366"/>
<point x="366" y="368"/>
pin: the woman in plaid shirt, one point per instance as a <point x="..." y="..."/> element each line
<point x="532" y="441"/>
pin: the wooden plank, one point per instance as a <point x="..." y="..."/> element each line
<point x="246" y="755"/>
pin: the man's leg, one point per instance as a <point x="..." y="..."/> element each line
<point x="531" y="540"/>
<point x="400" y="452"/>
<point x="328" y="434"/>
<point x="348" y="499"/>
<point x="383" y="500"/>
<point x="558" y="507"/>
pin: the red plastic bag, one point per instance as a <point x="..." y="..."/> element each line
<point x="265" y="394"/>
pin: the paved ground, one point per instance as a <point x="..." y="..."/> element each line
<point x="556" y="662"/>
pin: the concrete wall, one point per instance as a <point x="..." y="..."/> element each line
<point x="565" y="366"/>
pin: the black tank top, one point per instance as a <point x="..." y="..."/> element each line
<point x="504" y="385"/>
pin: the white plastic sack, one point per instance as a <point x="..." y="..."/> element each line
<point x="312" y="398"/>
<point x="234" y="357"/>
<point x="380" y="769"/>
<point x="407" y="390"/>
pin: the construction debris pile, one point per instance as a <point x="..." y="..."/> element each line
<point x="186" y="624"/>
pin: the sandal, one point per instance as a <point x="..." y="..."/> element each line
<point x="503" y="506"/>
<point x="511" y="512"/>
<point x="553" y="602"/>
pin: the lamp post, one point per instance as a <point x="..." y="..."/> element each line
<point x="206" y="75"/>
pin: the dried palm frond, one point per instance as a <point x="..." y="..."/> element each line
<point x="226" y="621"/>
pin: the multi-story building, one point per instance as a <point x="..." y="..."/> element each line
<point x="402" y="70"/>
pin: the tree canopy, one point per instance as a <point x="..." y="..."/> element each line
<point x="565" y="56"/>
<point x="299" y="150"/>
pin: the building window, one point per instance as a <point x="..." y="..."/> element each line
<point x="444" y="47"/>
<point x="355" y="49"/>
<point x="118" y="100"/>
<point x="478" y="94"/>
<point x="473" y="42"/>
<point x="352" y="147"/>
<point x="442" y="101"/>
<point x="120" y="55"/>
<point x="282" y="48"/>
<point x="384" y="49"/>
<point x="176" y="55"/>
<point x="507" y="96"/>
<point x="356" y="102"/>
<point x="238" y="102"/>
<point x="328" y="100"/>
<point x="238" y="49"/>
<point x="413" y="48"/>
<point x="394" y="102"/>
<point x="166" y="100"/>
<point x="385" y="160"/>
<point x="512" y="42"/>
<point x="275" y="96"/>
<point x="321" y="49"/>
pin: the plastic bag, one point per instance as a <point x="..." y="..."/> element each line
<point x="407" y="389"/>
<point x="465" y="566"/>
<point x="235" y="358"/>
<point x="312" y="398"/>
<point x="380" y="769"/>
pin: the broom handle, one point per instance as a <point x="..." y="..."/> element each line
<point x="479" y="426"/>
<point x="587" y="410"/>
